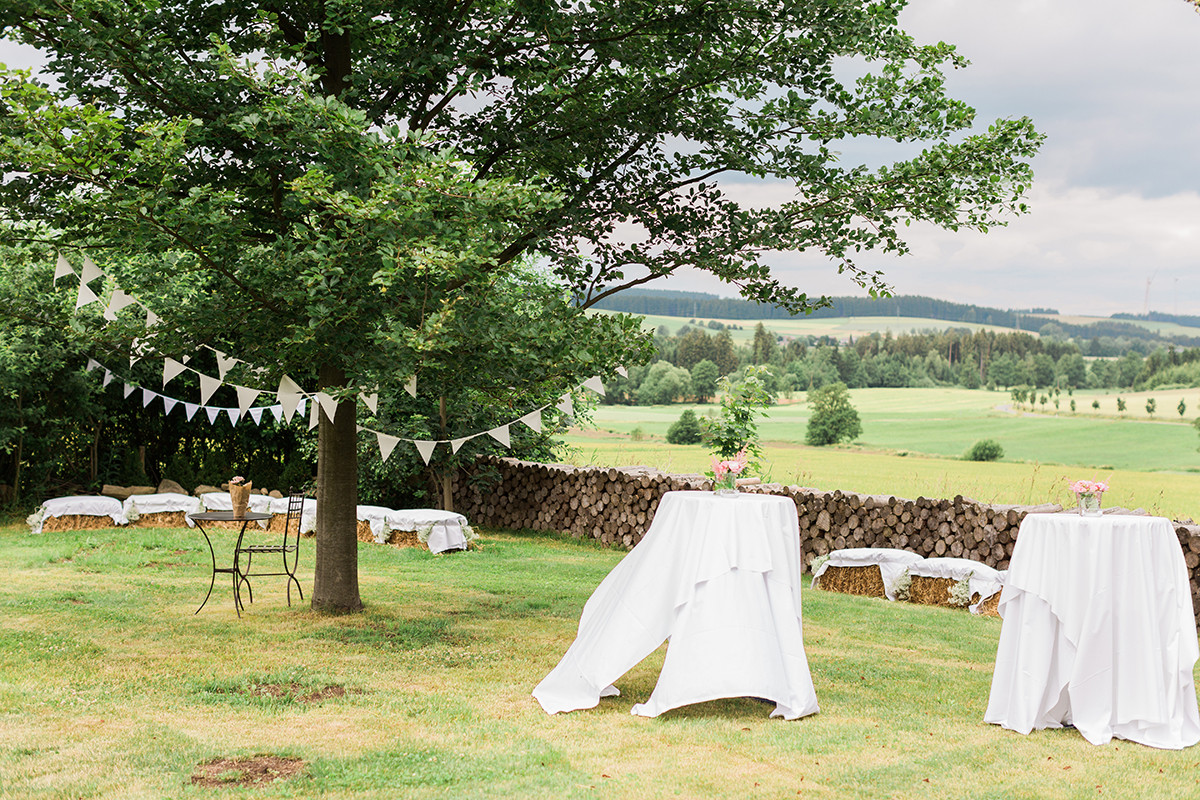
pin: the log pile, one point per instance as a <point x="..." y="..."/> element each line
<point x="615" y="506"/>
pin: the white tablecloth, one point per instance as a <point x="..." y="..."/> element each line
<point x="719" y="576"/>
<point x="138" y="504"/>
<point x="85" y="506"/>
<point x="1098" y="632"/>
<point x="892" y="563"/>
<point x="259" y="504"/>
<point x="442" y="530"/>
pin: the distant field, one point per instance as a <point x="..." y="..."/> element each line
<point x="912" y="439"/>
<point x="1164" y="328"/>
<point x="837" y="327"/>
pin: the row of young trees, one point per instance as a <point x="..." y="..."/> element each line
<point x="690" y="362"/>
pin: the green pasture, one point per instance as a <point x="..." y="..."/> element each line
<point x="110" y="687"/>
<point x="913" y="439"/>
<point x="838" y="327"/>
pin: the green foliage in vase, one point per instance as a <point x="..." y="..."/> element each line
<point x="832" y="418"/>
<point x="736" y="429"/>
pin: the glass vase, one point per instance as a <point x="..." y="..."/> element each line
<point x="726" y="485"/>
<point x="1089" y="504"/>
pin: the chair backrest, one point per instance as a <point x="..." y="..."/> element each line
<point x="291" y="527"/>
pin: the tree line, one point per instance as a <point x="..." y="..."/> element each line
<point x="690" y="362"/>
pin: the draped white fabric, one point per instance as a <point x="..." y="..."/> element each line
<point x="84" y="506"/>
<point x="892" y="563"/>
<point x="982" y="579"/>
<point x="720" y="577"/>
<point x="1098" y="632"/>
<point x="164" y="502"/>
<point x="445" y="527"/>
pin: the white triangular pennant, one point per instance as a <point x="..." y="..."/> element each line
<point x="256" y="414"/>
<point x="566" y="405"/>
<point x="233" y="416"/>
<point x="595" y="384"/>
<point x="171" y="368"/>
<point x="455" y="444"/>
<point x="169" y="403"/>
<point x="212" y="412"/>
<point x="86" y="296"/>
<point x="151" y="318"/>
<point x="371" y="401"/>
<point x="129" y="387"/>
<point x="501" y="435"/>
<point x="92" y="364"/>
<point x="533" y="419"/>
<point x="411" y="386"/>
<point x="190" y="409"/>
<point x="328" y="404"/>
<point x="246" y="398"/>
<point x="224" y="363"/>
<point x="62" y="268"/>
<point x="277" y="410"/>
<point x="90" y="271"/>
<point x="117" y="302"/>
<point x="147" y="397"/>
<point x="208" y="385"/>
<point x="386" y="444"/>
<point x="108" y="377"/>
<point x="289" y="396"/>
<point x="314" y="415"/>
<point x="624" y="373"/>
<point x="425" y="449"/>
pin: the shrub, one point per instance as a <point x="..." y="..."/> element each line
<point x="637" y="434"/>
<point x="833" y="418"/>
<point x="685" y="430"/>
<point x="985" y="450"/>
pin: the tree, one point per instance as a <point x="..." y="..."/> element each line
<point x="665" y="383"/>
<point x="1151" y="406"/>
<point x="832" y="418"/>
<point x="1096" y="405"/>
<point x="685" y="430"/>
<point x="763" y="347"/>
<point x="326" y="189"/>
<point x="1181" y="408"/>
<point x="1120" y="405"/>
<point x="704" y="380"/>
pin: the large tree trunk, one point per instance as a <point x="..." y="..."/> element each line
<point x="335" y="583"/>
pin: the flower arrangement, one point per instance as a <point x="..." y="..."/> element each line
<point x="725" y="472"/>
<point x="239" y="494"/>
<point x="236" y="480"/>
<point x="1088" y="494"/>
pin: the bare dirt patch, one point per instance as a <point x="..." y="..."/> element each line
<point x="293" y="691"/>
<point x="246" y="771"/>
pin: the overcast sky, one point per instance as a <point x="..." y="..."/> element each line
<point x="1115" y="86"/>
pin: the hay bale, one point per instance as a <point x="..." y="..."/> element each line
<point x="404" y="539"/>
<point x="866" y="581"/>
<point x="934" y="591"/>
<point x="364" y="532"/>
<point x="990" y="607"/>
<point x="77" y="522"/>
<point x="161" y="519"/>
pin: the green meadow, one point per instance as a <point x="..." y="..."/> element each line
<point x="913" y="440"/>
<point x="111" y="687"/>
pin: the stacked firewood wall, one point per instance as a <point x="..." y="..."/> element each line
<point x="616" y="505"/>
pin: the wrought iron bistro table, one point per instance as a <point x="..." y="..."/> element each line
<point x="235" y="570"/>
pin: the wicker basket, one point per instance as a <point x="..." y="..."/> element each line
<point x="866" y="581"/>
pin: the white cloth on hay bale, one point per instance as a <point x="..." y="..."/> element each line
<point x="892" y="564"/>
<point x="439" y="530"/>
<point x="87" y="506"/>
<point x="137" y="505"/>
<point x="982" y="579"/>
<point x="259" y="504"/>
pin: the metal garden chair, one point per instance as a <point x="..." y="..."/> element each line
<point x="288" y="549"/>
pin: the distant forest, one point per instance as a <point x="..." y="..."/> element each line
<point x="699" y="305"/>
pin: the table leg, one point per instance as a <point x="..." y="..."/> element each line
<point x="212" y="554"/>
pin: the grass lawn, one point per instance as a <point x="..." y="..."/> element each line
<point x="912" y="440"/>
<point x="110" y="686"/>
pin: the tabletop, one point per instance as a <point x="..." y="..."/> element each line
<point x="229" y="516"/>
<point x="1099" y="632"/>
<point x="719" y="576"/>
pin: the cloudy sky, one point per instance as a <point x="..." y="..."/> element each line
<point x="1114" y="86"/>
<point x="1116" y="201"/>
